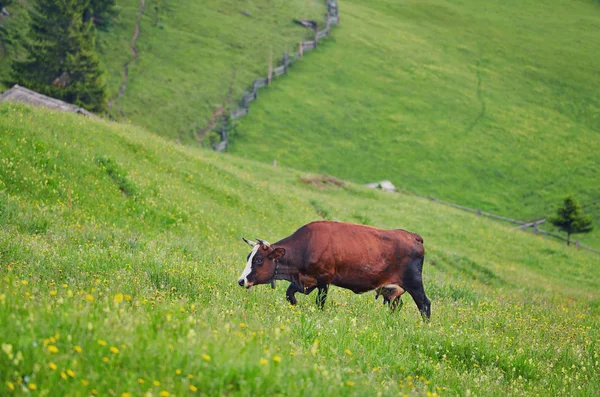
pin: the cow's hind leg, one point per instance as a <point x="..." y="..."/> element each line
<point x="422" y="302"/>
<point x="322" y="295"/>
<point x="414" y="286"/>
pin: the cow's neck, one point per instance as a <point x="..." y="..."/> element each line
<point x="285" y="271"/>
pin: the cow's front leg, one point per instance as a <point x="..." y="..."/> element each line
<point x="293" y="288"/>
<point x="289" y="294"/>
<point x="322" y="295"/>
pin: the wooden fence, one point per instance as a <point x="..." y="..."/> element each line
<point x="332" y="18"/>
<point x="522" y="225"/>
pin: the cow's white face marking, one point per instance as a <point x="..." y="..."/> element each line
<point x="248" y="268"/>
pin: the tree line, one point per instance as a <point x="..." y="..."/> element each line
<point x="58" y="56"/>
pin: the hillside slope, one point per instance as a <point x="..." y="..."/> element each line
<point x="493" y="105"/>
<point x="120" y="251"/>
<point x="187" y="53"/>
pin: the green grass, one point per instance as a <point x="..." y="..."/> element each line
<point x="109" y="292"/>
<point x="188" y="52"/>
<point x="492" y="105"/>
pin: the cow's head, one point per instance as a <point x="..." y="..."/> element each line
<point x="260" y="264"/>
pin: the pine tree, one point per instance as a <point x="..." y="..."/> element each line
<point x="3" y="31"/>
<point x="100" y="12"/>
<point x="61" y="59"/>
<point x="5" y="3"/>
<point x="570" y="219"/>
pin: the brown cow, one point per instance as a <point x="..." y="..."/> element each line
<point x="357" y="257"/>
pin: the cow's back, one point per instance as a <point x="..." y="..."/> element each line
<point x="353" y="256"/>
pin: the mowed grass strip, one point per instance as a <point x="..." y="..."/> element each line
<point x="120" y="252"/>
<point x="492" y="105"/>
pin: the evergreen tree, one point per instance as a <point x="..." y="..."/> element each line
<point x="570" y="219"/>
<point x="4" y="3"/>
<point x="3" y="13"/>
<point x="100" y="12"/>
<point x="61" y="59"/>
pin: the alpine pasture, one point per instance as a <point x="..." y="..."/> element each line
<point x="120" y="252"/>
<point x="488" y="104"/>
<point x="190" y="54"/>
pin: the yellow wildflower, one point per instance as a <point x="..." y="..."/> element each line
<point x="178" y="371"/>
<point x="141" y="381"/>
<point x="53" y="293"/>
<point x="11" y="387"/>
<point x="52" y="349"/>
<point x="32" y="386"/>
<point x="25" y="282"/>
<point x="126" y="394"/>
<point x="277" y="359"/>
<point x="350" y="383"/>
<point x="118" y="298"/>
<point x="101" y="342"/>
<point x="89" y="298"/>
<point x="164" y="393"/>
<point x="52" y="366"/>
<point x="114" y="349"/>
<point x="348" y="352"/>
<point x="206" y="357"/>
<point x="263" y="361"/>
<point x="156" y="383"/>
<point x="77" y="348"/>
<point x="193" y="388"/>
<point x="71" y="373"/>
<point x="105" y="359"/>
<point x="85" y="382"/>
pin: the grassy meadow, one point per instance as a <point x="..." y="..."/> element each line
<point x="493" y="105"/>
<point x="188" y="52"/>
<point x="120" y="252"/>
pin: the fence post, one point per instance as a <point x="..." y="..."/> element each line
<point x="478" y="212"/>
<point x="285" y="62"/>
<point x="316" y="38"/>
<point x="535" y="231"/>
<point x="327" y="29"/>
<point x="270" y="74"/>
<point x="300" y="50"/>
<point x="577" y="244"/>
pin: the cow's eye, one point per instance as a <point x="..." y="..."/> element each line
<point x="258" y="261"/>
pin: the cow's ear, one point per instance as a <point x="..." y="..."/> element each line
<point x="277" y="253"/>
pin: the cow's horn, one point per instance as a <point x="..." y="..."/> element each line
<point x="252" y="243"/>
<point x="263" y="242"/>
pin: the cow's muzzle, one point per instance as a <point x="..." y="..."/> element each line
<point x="243" y="282"/>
